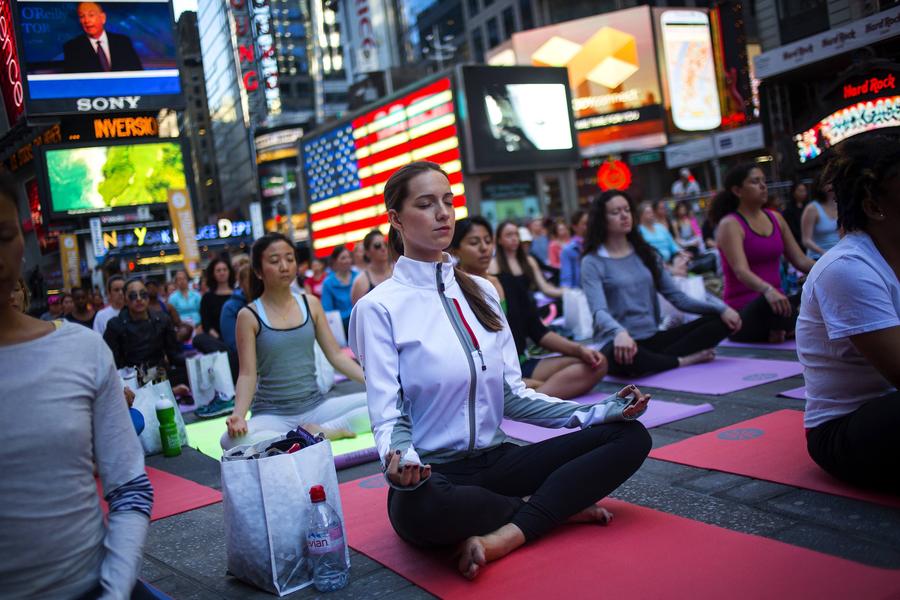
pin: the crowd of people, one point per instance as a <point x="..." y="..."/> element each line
<point x="408" y="302"/>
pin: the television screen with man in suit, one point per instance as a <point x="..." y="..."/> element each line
<point x="73" y="51"/>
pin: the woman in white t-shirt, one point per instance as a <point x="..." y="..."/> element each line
<point x="848" y="332"/>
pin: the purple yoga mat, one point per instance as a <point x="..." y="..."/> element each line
<point x="659" y="412"/>
<point x="786" y="345"/>
<point x="796" y="393"/>
<point x="357" y="457"/>
<point x="724" y="375"/>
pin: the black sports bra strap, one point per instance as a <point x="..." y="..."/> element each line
<point x="258" y="320"/>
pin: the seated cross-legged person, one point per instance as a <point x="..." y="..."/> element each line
<point x="621" y="275"/>
<point x="848" y="331"/>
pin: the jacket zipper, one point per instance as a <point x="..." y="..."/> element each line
<point x="471" y="333"/>
<point x="462" y="336"/>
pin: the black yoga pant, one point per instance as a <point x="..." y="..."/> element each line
<point x="861" y="447"/>
<point x="661" y="351"/>
<point x="563" y="475"/>
<point x="758" y="320"/>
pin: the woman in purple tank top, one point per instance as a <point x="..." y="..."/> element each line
<point x="751" y="242"/>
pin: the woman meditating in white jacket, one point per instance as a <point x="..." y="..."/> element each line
<point x="442" y="372"/>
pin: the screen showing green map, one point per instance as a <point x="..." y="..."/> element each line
<point x="104" y="178"/>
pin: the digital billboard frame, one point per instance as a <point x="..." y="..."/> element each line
<point x="43" y="176"/>
<point x="120" y="99"/>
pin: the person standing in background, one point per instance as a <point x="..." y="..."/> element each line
<point x="570" y="263"/>
<point x="685" y="185"/>
<point x="115" y="290"/>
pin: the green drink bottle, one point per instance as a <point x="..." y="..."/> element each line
<point x="168" y="430"/>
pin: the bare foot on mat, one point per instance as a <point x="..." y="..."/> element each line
<point x="704" y="356"/>
<point x="592" y="514"/>
<point x="477" y="551"/>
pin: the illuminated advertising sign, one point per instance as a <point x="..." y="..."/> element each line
<point x="611" y="60"/>
<point x="690" y="84"/>
<point x="10" y="68"/>
<point x="277" y="145"/>
<point x="519" y="119"/>
<point x="265" y="43"/>
<point x="346" y="166"/>
<point x="25" y="154"/>
<point x="84" y="57"/>
<point x="838" y="126"/>
<point x="142" y="236"/>
<point x="90" y="179"/>
<point x="81" y="129"/>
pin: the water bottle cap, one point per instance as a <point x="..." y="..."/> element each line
<point x="317" y="493"/>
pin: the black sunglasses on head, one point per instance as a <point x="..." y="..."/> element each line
<point x="143" y="295"/>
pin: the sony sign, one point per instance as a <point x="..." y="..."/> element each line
<point x="104" y="103"/>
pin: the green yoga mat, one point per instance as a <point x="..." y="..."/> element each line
<point x="205" y="435"/>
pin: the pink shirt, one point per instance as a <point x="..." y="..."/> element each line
<point x="764" y="257"/>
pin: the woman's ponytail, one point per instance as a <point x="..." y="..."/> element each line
<point x="489" y="319"/>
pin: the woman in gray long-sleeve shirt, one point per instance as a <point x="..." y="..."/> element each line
<point x="621" y="275"/>
<point x="68" y="411"/>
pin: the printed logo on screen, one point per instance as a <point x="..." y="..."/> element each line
<point x="743" y="433"/>
<point x="107" y="103"/>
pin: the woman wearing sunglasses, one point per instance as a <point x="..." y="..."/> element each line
<point x="141" y="337"/>
<point x="442" y="372"/>
<point x="379" y="267"/>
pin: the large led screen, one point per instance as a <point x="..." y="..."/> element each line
<point x="519" y="118"/>
<point x="613" y="77"/>
<point x="346" y="166"/>
<point x="83" y="57"/>
<point x="95" y="179"/>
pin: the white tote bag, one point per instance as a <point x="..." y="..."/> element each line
<point x="145" y="401"/>
<point x="208" y="374"/>
<point x="324" y="371"/>
<point x="337" y="327"/>
<point x="267" y="506"/>
<point x="577" y="314"/>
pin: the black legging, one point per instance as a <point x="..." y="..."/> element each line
<point x="758" y="320"/>
<point x="476" y="496"/>
<point x="861" y="447"/>
<point x="662" y="351"/>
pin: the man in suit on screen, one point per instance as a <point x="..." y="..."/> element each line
<point x="98" y="50"/>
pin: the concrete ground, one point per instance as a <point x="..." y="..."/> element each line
<point x="185" y="554"/>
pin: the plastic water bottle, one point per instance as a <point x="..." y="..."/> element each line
<point x="325" y="542"/>
<point x="168" y="430"/>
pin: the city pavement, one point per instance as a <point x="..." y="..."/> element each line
<point x="185" y="554"/>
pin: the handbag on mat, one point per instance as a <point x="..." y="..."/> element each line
<point x="267" y="506"/>
<point x="577" y="314"/>
<point x="145" y="402"/>
<point x="207" y="375"/>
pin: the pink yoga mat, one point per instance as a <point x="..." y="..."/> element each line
<point x="771" y="447"/>
<point x="173" y="495"/>
<point x="724" y="375"/>
<point x="644" y="553"/>
<point x="659" y="412"/>
<point x="796" y="393"/>
<point x="786" y="345"/>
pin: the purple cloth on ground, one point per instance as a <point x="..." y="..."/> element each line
<point x="724" y="375"/>
<point x="186" y="408"/>
<point x="659" y="412"/>
<point x="786" y="345"/>
<point x="796" y="393"/>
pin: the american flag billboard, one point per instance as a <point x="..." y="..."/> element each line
<point x="346" y="167"/>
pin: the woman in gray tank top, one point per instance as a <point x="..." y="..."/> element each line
<point x="276" y="336"/>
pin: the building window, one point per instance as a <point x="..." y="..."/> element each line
<point x="493" y="32"/>
<point x="526" y="16"/>
<point x="473" y="7"/>
<point x="798" y="19"/>
<point x="477" y="46"/>
<point x="509" y="22"/>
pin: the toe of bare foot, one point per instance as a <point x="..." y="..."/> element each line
<point x="472" y="558"/>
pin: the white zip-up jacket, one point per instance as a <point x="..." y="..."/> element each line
<point x="438" y="383"/>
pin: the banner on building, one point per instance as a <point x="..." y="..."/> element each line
<point x="97" y="237"/>
<point x="70" y="260"/>
<point x="369" y="35"/>
<point x="256" y="218"/>
<point x="182" y="216"/>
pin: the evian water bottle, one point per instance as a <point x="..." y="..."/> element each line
<point x="325" y="542"/>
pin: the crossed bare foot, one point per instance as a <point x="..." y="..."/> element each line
<point x="477" y="551"/>
<point x="696" y="358"/>
<point x="592" y="514"/>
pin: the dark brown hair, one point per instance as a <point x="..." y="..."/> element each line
<point x="521" y="255"/>
<point x="211" y="282"/>
<point x="597" y="234"/>
<point x="726" y="202"/>
<point x="396" y="191"/>
<point x="257" y="287"/>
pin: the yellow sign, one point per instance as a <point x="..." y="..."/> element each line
<point x="182" y="216"/>
<point x="70" y="259"/>
<point x="126" y="127"/>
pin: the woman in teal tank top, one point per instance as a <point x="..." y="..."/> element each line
<point x="819" y="224"/>
<point x="276" y="337"/>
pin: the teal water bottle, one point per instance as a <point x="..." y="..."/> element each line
<point x="168" y="429"/>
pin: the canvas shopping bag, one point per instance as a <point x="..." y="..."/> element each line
<point x="208" y="374"/>
<point x="266" y="504"/>
<point x="337" y="327"/>
<point x="145" y="401"/>
<point x="577" y="314"/>
<point x="324" y="371"/>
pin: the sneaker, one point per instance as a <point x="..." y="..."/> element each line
<point x="219" y="406"/>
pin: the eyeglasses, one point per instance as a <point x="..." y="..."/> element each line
<point x="143" y="295"/>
